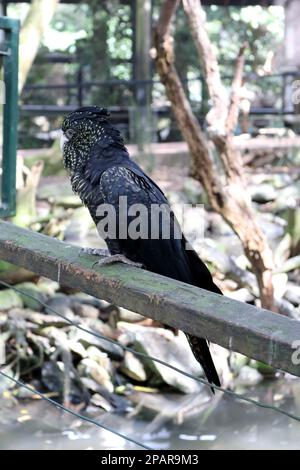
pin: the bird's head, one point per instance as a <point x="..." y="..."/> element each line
<point x="82" y="129"/>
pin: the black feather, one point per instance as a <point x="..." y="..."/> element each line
<point x="105" y="174"/>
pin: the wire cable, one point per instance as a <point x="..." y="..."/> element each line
<point x="159" y="361"/>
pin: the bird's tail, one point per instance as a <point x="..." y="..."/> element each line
<point x="201" y="352"/>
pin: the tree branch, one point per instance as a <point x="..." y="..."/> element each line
<point x="166" y="16"/>
<point x="233" y="113"/>
<point x="226" y="191"/>
<point x="36" y="22"/>
<point x="186" y="120"/>
<point x="218" y="115"/>
<point x="197" y="18"/>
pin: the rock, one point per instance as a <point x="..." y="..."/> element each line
<point x="40" y="319"/>
<point x="89" y="367"/>
<point x="120" y="404"/>
<point x="290" y="265"/>
<point x="287" y="197"/>
<point x="279" y="181"/>
<point x="126" y="338"/>
<point x="24" y="394"/>
<point x="42" y="343"/>
<point x="285" y="307"/>
<point x="237" y="361"/>
<point x="282" y="250"/>
<point x="129" y="316"/>
<point x="52" y="377"/>
<point x="105" y="311"/>
<point x="99" y="326"/>
<point x="111" y="315"/>
<point x="61" y="304"/>
<point x="218" y="226"/>
<point x="10" y="299"/>
<point x="292" y="294"/>
<point x="194" y="224"/>
<point x="174" y="350"/>
<point x="193" y="190"/>
<point x="113" y="350"/>
<point x="262" y="193"/>
<point x="132" y="367"/>
<point x="296" y="314"/>
<point x="86" y="299"/>
<point x="273" y="229"/>
<point x="4" y="336"/>
<point x="229" y="266"/>
<point x="279" y="282"/>
<point x="91" y="384"/>
<point x="248" y="377"/>
<point x="85" y="311"/>
<point x="48" y="286"/>
<point x="101" y="402"/>
<point x="77" y="348"/>
<point x="58" y="335"/>
<point x="292" y="216"/>
<point x="34" y="291"/>
<point x="99" y="357"/>
<point x="243" y="295"/>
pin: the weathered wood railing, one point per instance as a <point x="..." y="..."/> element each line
<point x="254" y="332"/>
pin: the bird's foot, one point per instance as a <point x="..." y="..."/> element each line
<point x="107" y="258"/>
<point x="118" y="259"/>
<point x="95" y="251"/>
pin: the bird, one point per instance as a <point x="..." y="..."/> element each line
<point x="103" y="174"/>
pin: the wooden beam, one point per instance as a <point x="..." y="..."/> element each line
<point x="255" y="332"/>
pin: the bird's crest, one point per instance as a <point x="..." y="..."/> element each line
<point x="87" y="112"/>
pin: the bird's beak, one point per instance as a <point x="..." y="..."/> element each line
<point x="63" y="140"/>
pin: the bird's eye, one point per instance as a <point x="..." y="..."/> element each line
<point x="69" y="133"/>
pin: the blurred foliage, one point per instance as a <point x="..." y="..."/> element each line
<point x="228" y="28"/>
<point x="262" y="28"/>
<point x="100" y="37"/>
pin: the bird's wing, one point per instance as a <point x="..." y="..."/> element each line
<point x="134" y="184"/>
<point x="159" y="252"/>
<point x="166" y="254"/>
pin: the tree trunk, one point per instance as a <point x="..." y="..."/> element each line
<point x="36" y="22"/>
<point x="227" y="191"/>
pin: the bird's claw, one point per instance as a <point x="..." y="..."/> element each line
<point x="107" y="258"/>
<point x="117" y="259"/>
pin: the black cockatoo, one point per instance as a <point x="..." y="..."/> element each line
<point x="102" y="172"/>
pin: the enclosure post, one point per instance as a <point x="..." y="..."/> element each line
<point x="10" y="114"/>
<point x="142" y="72"/>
